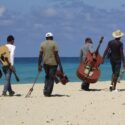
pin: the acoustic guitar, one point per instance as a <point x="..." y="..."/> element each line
<point x="4" y="54"/>
<point x="5" y="59"/>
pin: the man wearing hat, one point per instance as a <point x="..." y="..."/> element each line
<point x="116" y="56"/>
<point x="49" y="59"/>
<point x="87" y="47"/>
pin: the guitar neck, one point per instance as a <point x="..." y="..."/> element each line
<point x="97" y="50"/>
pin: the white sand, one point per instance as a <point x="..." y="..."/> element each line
<point x="68" y="106"/>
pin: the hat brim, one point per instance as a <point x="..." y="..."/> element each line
<point x="117" y="36"/>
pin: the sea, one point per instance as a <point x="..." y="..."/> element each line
<point x="26" y="69"/>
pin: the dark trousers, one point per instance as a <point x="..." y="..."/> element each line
<point x="85" y="85"/>
<point x="50" y="72"/>
<point x="116" y="66"/>
<point x="8" y="73"/>
<point x="0" y="73"/>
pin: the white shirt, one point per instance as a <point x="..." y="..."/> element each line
<point x="12" y="52"/>
<point x="85" y="49"/>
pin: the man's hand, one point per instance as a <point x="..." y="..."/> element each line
<point x="11" y="67"/>
<point x="124" y="65"/>
<point x="39" y="68"/>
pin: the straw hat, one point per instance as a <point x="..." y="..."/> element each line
<point x="117" y="34"/>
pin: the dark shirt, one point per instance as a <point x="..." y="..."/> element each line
<point x="115" y="50"/>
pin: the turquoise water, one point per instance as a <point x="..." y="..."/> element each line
<point x="27" y="70"/>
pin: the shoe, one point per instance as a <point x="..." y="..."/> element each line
<point x="11" y="93"/>
<point x="46" y="94"/>
<point x="4" y="94"/>
<point x="111" y="87"/>
<point x="85" y="87"/>
<point x="116" y="90"/>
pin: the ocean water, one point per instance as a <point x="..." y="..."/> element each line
<point x="26" y="69"/>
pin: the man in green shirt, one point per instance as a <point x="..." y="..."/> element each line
<point x="49" y="59"/>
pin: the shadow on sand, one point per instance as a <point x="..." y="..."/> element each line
<point x="91" y="90"/>
<point x="121" y="90"/>
<point x="18" y="95"/>
<point x="59" y="95"/>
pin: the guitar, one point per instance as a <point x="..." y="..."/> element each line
<point x="5" y="59"/>
<point x="4" y="55"/>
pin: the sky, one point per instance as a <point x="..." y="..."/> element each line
<point x="71" y="21"/>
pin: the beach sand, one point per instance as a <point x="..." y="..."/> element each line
<point x="69" y="105"/>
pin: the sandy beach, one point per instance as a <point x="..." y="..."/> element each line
<point x="69" y="105"/>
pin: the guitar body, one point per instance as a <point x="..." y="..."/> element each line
<point x="94" y="74"/>
<point x="62" y="78"/>
<point x="4" y="53"/>
<point x="96" y="62"/>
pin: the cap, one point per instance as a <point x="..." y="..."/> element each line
<point x="49" y="34"/>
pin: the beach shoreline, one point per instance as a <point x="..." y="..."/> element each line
<point x="68" y="105"/>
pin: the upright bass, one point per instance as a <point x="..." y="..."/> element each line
<point x="89" y="69"/>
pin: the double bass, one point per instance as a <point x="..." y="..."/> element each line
<point x="89" y="69"/>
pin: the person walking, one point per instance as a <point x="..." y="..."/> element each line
<point x="49" y="59"/>
<point x="115" y="51"/>
<point x="7" y="69"/>
<point x="87" y="47"/>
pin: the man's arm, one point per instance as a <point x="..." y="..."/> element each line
<point x="58" y="60"/>
<point x="106" y="52"/>
<point x="40" y="59"/>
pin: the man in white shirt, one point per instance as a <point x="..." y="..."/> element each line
<point x="8" y="69"/>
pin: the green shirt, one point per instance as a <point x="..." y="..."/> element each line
<point x="48" y="48"/>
